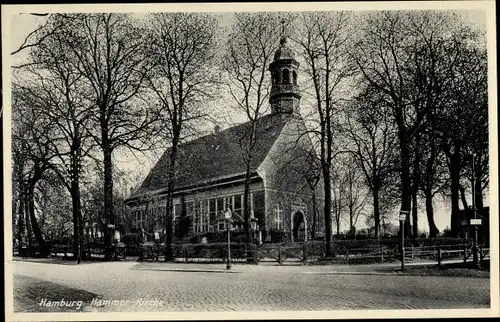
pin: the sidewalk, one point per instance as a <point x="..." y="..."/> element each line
<point x="362" y="269"/>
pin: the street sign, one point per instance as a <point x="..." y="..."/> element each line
<point x="157" y="235"/>
<point x="111" y="226"/>
<point x="475" y="222"/>
<point x="227" y="214"/>
<point x="402" y="214"/>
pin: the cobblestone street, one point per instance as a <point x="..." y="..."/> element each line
<point x="195" y="287"/>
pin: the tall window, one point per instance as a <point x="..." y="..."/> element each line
<point x="221" y="205"/>
<point x="212" y="211"/>
<point x="278" y="217"/>
<point x="294" y="73"/>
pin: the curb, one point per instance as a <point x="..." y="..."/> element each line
<point x="192" y="270"/>
<point x="352" y="273"/>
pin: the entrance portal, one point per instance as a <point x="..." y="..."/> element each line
<point x="299" y="226"/>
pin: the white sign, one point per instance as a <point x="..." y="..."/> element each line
<point x="117" y="236"/>
<point x="475" y="222"/>
<point x="157" y="235"/>
<point x="402" y="214"/>
<point x="227" y="214"/>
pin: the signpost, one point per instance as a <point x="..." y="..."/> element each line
<point x="402" y="218"/>
<point x="228" y="215"/>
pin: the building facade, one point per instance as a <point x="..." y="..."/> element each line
<point x="285" y="191"/>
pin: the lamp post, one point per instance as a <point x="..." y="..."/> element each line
<point x="228" y="215"/>
<point x="402" y="217"/>
<point x="474" y="223"/>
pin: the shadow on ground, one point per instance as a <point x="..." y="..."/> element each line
<point x="36" y="295"/>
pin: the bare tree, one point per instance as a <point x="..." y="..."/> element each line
<point x="369" y="128"/>
<point x="31" y="145"/>
<point x="183" y="51"/>
<point x="323" y="39"/>
<point x="409" y="59"/>
<point x="109" y="51"/>
<point x="252" y="42"/>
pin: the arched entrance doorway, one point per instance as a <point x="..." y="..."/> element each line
<point x="299" y="227"/>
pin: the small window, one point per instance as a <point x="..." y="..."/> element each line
<point x="286" y="76"/>
<point x="294" y="73"/>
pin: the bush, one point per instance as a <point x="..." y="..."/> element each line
<point x="278" y="236"/>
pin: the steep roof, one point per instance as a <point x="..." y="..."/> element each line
<point x="215" y="156"/>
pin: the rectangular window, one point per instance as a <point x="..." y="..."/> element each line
<point x="212" y="211"/>
<point x="238" y="202"/>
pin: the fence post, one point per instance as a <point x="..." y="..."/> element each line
<point x="382" y="251"/>
<point x="481" y="256"/>
<point x="412" y="254"/>
<point x="465" y="253"/>
<point x="255" y="258"/>
<point x="439" y="256"/>
<point x="304" y="253"/>
<point x="347" y="255"/>
<point x="279" y="254"/>
<point x="185" y="255"/>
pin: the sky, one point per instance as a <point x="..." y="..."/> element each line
<point x="137" y="166"/>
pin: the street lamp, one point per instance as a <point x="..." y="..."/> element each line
<point x="402" y="217"/>
<point x="228" y="215"/>
<point x="474" y="222"/>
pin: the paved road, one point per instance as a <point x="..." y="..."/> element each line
<point x="208" y="287"/>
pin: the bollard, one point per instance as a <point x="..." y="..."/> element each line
<point x="439" y="256"/>
<point x="382" y="249"/>
<point x="304" y="253"/>
<point x="465" y="253"/>
<point x="347" y="256"/>
<point x="255" y="259"/>
<point x="412" y="254"/>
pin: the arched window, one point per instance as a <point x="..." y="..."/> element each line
<point x="286" y="76"/>
<point x="294" y="73"/>
<point x="278" y="217"/>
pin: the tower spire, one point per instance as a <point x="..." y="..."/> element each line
<point x="285" y="94"/>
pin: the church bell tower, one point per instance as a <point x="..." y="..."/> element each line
<point x="285" y="95"/>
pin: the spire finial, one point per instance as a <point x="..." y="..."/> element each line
<point x="283" y="34"/>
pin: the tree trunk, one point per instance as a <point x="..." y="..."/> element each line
<point x="21" y="215"/>
<point x="414" y="213"/>
<point x="108" y="199"/>
<point x="376" y="211"/>
<point x="415" y="185"/>
<point x="77" y="212"/>
<point x="328" y="210"/>
<point x="463" y="197"/>
<point x="433" y="231"/>
<point x="315" y="211"/>
<point x="478" y="193"/>
<point x="405" y="179"/>
<point x="454" y="189"/>
<point x="34" y="222"/>
<point x="169" y="236"/>
<point x="247" y="210"/>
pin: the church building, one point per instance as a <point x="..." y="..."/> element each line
<point x="285" y="192"/>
